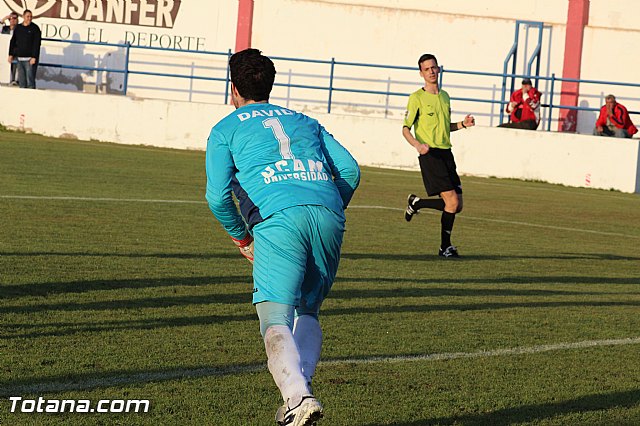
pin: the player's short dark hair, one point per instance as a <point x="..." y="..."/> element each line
<point x="426" y="57"/>
<point x="27" y="11"/>
<point x="253" y="74"/>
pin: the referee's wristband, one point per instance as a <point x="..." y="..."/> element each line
<point x="463" y="126"/>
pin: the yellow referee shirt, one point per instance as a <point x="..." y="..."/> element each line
<point x="430" y="115"/>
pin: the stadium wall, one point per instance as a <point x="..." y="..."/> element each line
<point x="465" y="35"/>
<point x="569" y="159"/>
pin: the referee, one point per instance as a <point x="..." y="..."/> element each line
<point x="429" y="112"/>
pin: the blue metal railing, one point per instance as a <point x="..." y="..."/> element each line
<point x="331" y="87"/>
<point x="512" y="56"/>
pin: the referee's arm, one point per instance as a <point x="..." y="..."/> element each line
<point x="420" y="147"/>
<point x="468" y="121"/>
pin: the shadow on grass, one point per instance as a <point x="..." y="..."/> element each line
<point x="46" y="289"/>
<point x="205" y="256"/>
<point x="425" y="308"/>
<point x="403" y="291"/>
<point x="420" y="256"/>
<point x="88" y="381"/>
<point x="53" y="288"/>
<point x="561" y="279"/>
<point x="525" y="413"/>
<point x="345" y="255"/>
<point x="136" y="303"/>
<point x="245" y="295"/>
<point x="35" y="330"/>
<point x="69" y="328"/>
<point x="535" y="413"/>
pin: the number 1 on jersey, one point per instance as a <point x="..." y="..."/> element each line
<point x="283" y="139"/>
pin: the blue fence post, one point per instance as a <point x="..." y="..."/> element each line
<point x="540" y="34"/>
<point x="333" y="65"/>
<point x="193" y="71"/>
<point x="227" y="79"/>
<point x="440" y="76"/>
<point x="553" y="81"/>
<point x="126" y="68"/>
<point x="386" y="99"/>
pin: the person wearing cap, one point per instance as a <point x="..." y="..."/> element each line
<point x="12" y="20"/>
<point x="614" y="120"/>
<point x="524" y="107"/>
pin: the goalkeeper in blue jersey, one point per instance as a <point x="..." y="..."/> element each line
<point x="292" y="180"/>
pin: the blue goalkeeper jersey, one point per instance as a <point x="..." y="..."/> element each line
<point x="273" y="158"/>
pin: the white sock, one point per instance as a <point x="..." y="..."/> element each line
<point x="284" y="364"/>
<point x="308" y="336"/>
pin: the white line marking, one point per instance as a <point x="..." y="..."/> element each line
<point x="105" y="382"/>
<point x="474" y="180"/>
<point x="120" y="200"/>
<point x="561" y="228"/>
<point x="486" y="354"/>
<point x="139" y="200"/>
<point x="510" y="222"/>
<point x="351" y="206"/>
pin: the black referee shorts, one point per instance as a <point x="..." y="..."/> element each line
<point x="439" y="172"/>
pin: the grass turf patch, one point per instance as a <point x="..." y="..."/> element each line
<point x="117" y="283"/>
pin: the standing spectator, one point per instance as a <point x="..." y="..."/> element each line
<point x="429" y="112"/>
<point x="614" y="120"/>
<point x="524" y="107"/>
<point x="293" y="181"/>
<point x="7" y="29"/>
<point x="25" y="46"/>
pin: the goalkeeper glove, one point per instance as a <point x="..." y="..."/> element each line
<point x="245" y="246"/>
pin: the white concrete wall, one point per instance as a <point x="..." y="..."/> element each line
<point x="5" y="67"/>
<point x="110" y="118"/>
<point x="575" y="160"/>
<point x="464" y="34"/>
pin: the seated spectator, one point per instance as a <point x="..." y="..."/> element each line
<point x="12" y="18"/>
<point x="524" y="107"/>
<point x="614" y="120"/>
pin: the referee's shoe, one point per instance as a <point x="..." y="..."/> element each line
<point x="410" y="211"/>
<point x="449" y="252"/>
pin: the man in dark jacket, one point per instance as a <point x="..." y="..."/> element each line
<point x="25" y="47"/>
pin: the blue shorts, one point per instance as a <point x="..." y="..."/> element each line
<point x="296" y="256"/>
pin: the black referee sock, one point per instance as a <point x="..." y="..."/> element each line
<point x="434" y="203"/>
<point x="446" y="221"/>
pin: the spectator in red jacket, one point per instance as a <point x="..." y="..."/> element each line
<point x="614" y="120"/>
<point x="524" y="107"/>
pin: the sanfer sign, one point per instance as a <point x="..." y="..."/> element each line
<point x="148" y="13"/>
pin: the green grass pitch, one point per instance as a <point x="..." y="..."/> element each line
<point x="117" y="283"/>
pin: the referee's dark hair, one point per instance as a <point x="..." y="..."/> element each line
<point x="426" y="57"/>
<point x="253" y="74"/>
